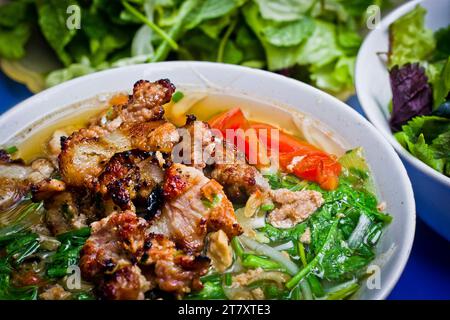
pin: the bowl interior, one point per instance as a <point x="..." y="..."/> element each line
<point x="393" y="184"/>
<point x="372" y="77"/>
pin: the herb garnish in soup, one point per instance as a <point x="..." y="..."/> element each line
<point x="168" y="195"/>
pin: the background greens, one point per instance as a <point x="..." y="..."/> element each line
<point x="311" y="40"/>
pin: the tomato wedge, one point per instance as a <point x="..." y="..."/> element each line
<point x="245" y="140"/>
<point x="295" y="155"/>
<point x="286" y="142"/>
<point x="231" y="119"/>
<point x="313" y="165"/>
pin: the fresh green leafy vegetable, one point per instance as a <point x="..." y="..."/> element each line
<point x="426" y="137"/>
<point x="419" y="62"/>
<point x="314" y="41"/>
<point x="212" y="289"/>
<point x="410" y="40"/>
<point x="68" y="252"/>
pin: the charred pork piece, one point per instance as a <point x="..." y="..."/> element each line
<point x="85" y="153"/>
<point x="194" y="205"/>
<point x="129" y="175"/>
<point x="124" y="261"/>
<point x="134" y="125"/>
<point x="221" y="160"/>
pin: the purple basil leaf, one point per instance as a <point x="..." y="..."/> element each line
<point x="411" y="94"/>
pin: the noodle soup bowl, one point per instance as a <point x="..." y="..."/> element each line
<point x="279" y="98"/>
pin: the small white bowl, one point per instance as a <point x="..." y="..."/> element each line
<point x="431" y="188"/>
<point x="390" y="176"/>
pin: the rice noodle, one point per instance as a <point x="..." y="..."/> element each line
<point x="284" y="246"/>
<point x="317" y="135"/>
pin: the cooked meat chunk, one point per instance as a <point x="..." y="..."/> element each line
<point x="194" y="205"/>
<point x="16" y="179"/>
<point x="240" y="180"/>
<point x="293" y="207"/>
<point x="199" y="147"/>
<point x="113" y="243"/>
<point x="85" y="153"/>
<point x="130" y="174"/>
<point x="120" y="251"/>
<point x="197" y="144"/>
<point x="47" y="188"/>
<point x="145" y="104"/>
<point x="127" y="283"/>
<point x="173" y="270"/>
<point x="55" y="292"/>
<point x="137" y="125"/>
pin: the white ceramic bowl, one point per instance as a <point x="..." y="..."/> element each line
<point x="390" y="175"/>
<point x="431" y="188"/>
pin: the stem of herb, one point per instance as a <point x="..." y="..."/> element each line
<point x="150" y="24"/>
<point x="252" y="261"/>
<point x="176" y="30"/>
<point x="301" y="252"/>
<point x="228" y="279"/>
<point x="342" y="291"/>
<point x="224" y="40"/>
<point x="307" y="269"/>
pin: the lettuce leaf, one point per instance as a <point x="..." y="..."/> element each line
<point x="410" y="41"/>
<point x="427" y="138"/>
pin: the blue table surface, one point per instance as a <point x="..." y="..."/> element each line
<point x="427" y="274"/>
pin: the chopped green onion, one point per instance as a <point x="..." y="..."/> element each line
<point x="237" y="247"/>
<point x="306" y="290"/>
<point x="228" y="279"/>
<point x="268" y="207"/>
<point x="215" y="201"/>
<point x="177" y="96"/>
<point x="316" y="286"/>
<point x="301" y="253"/>
<point x="253" y="261"/>
<point x="11" y="150"/>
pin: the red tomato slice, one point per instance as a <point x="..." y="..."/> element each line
<point x="246" y="140"/>
<point x="318" y="167"/>
<point x="314" y="165"/>
<point x="231" y="119"/>
<point x="286" y="142"/>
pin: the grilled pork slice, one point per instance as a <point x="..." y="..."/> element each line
<point x="108" y="256"/>
<point x="170" y="269"/>
<point x="17" y="179"/>
<point x="145" y="104"/>
<point x="85" y="153"/>
<point x="125" y="261"/>
<point x="129" y="175"/>
<point x="229" y="166"/>
<point x="137" y="124"/>
<point x="194" y="206"/>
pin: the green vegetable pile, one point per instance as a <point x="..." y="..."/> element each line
<point x="25" y="253"/>
<point x="343" y="236"/>
<point x="312" y="40"/>
<point x="419" y="63"/>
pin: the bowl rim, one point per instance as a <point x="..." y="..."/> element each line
<point x="403" y="251"/>
<point x="365" y="99"/>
